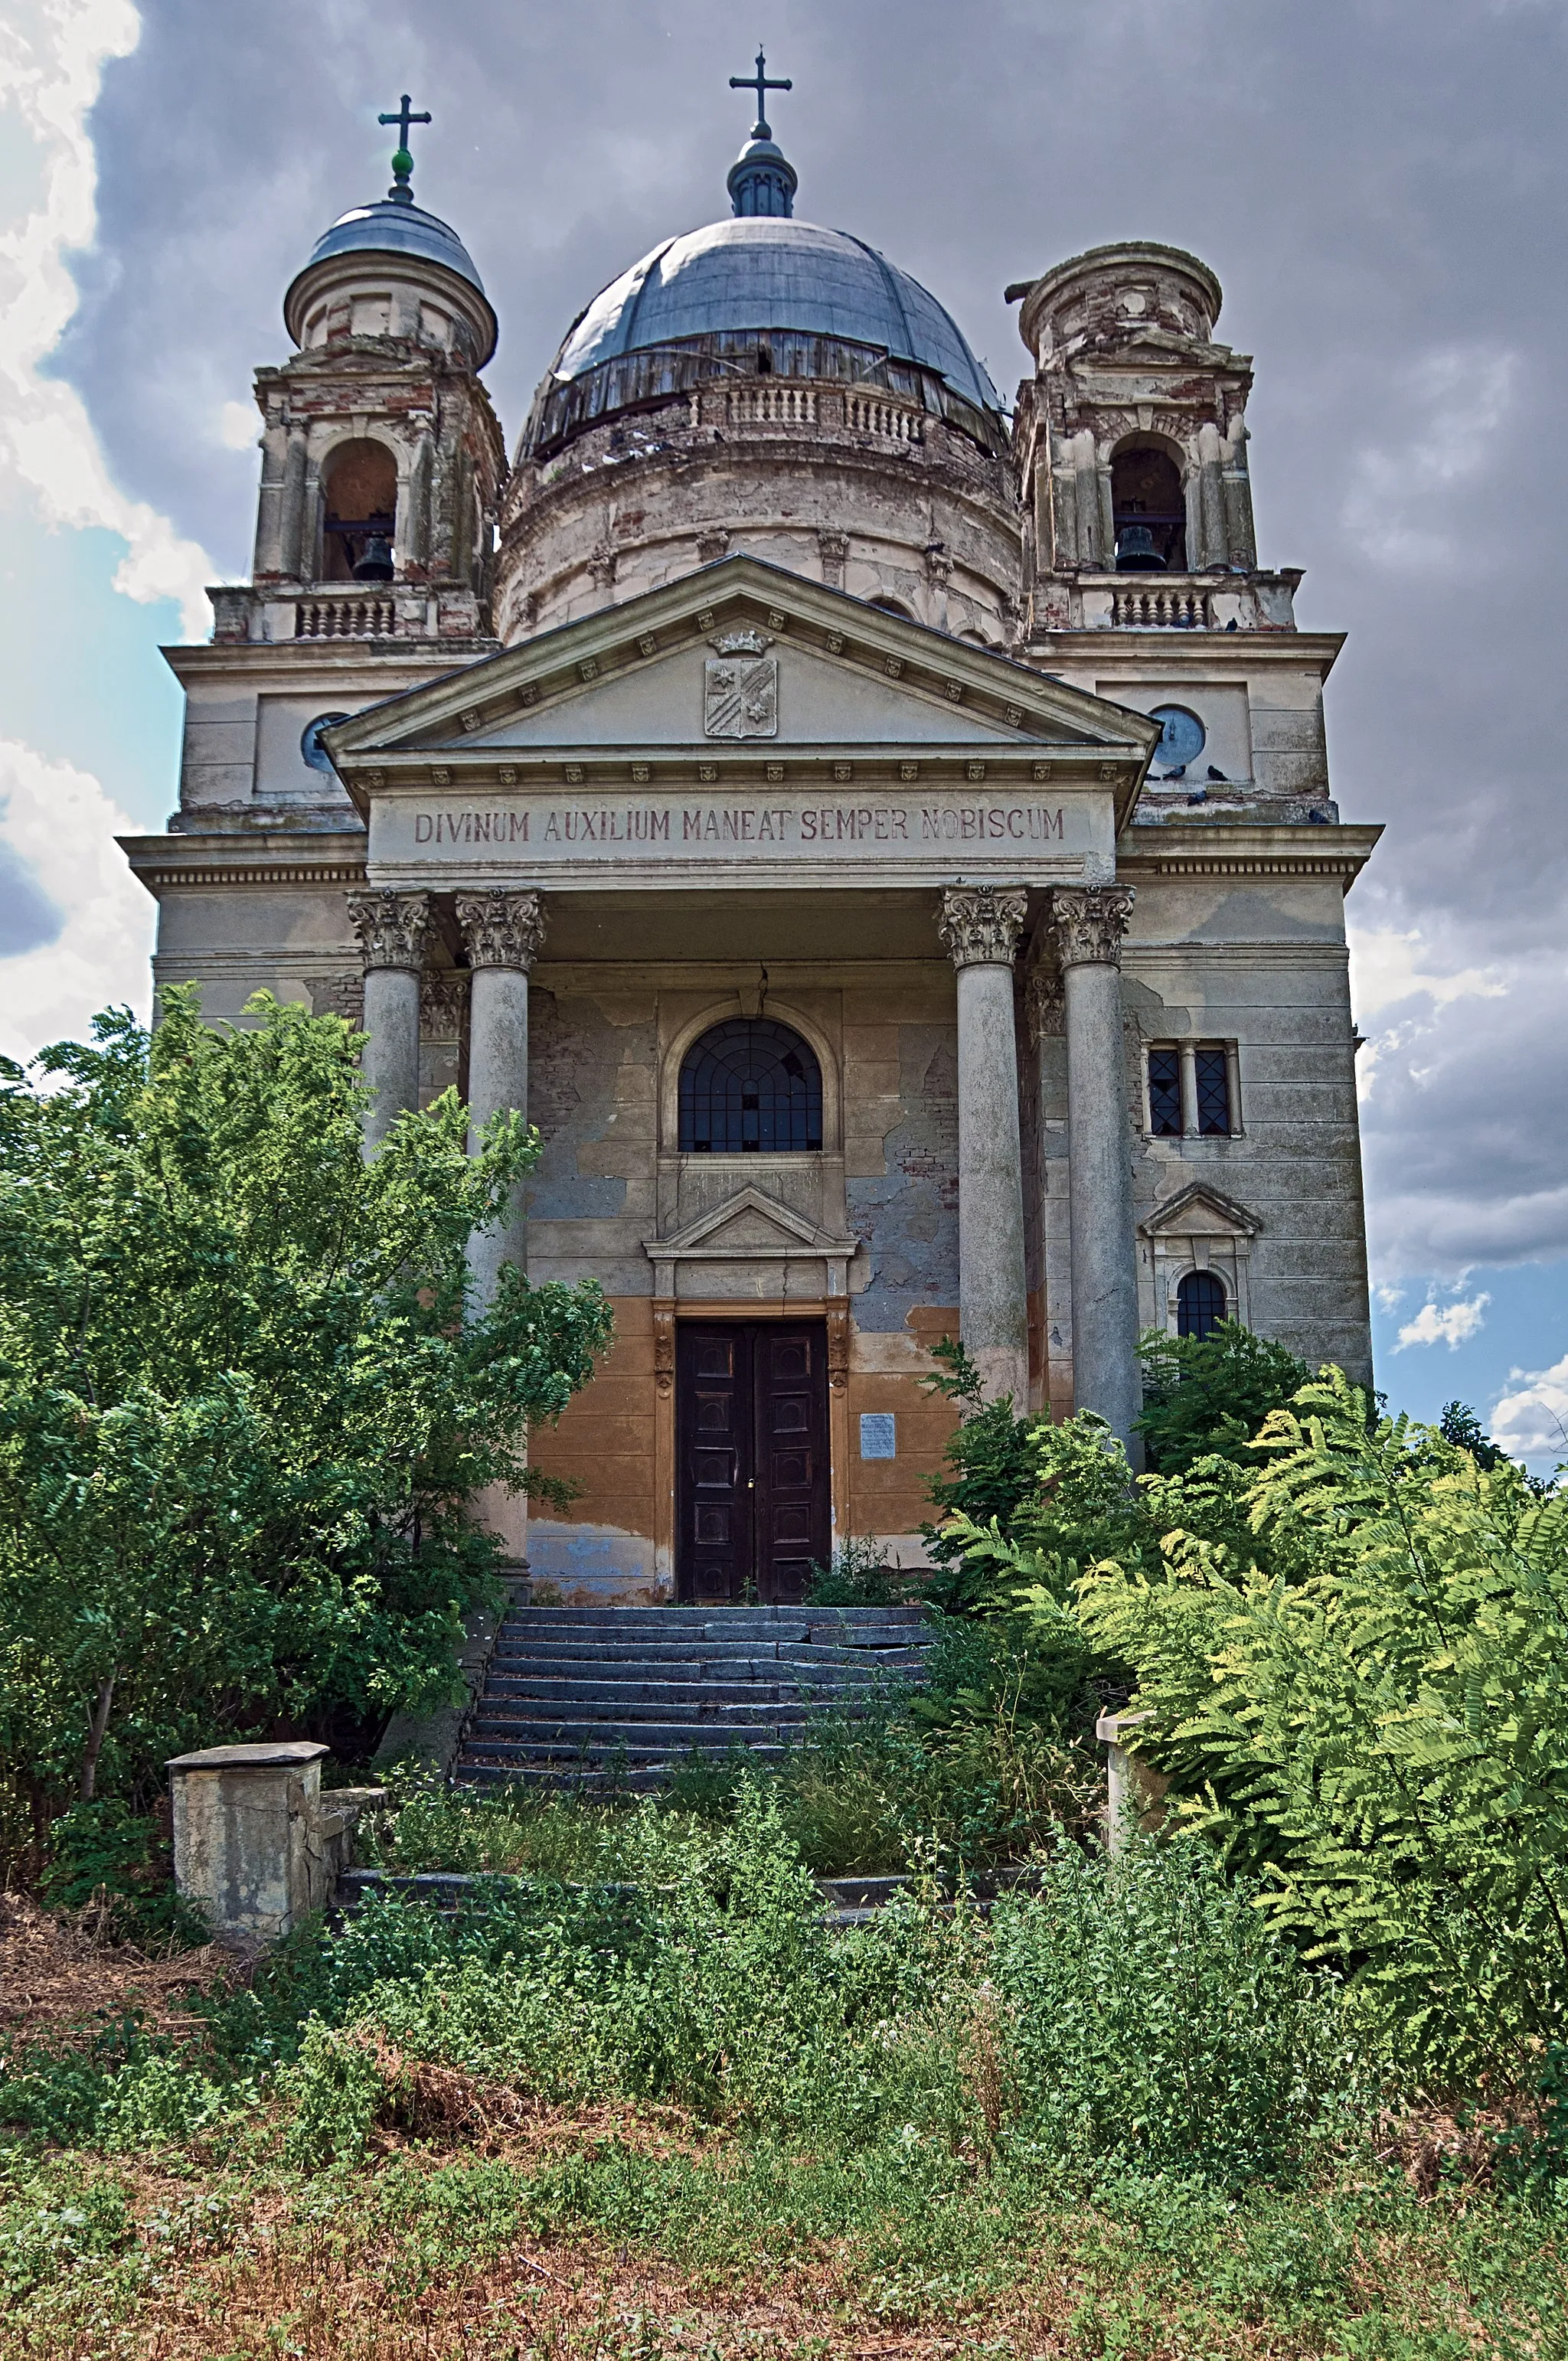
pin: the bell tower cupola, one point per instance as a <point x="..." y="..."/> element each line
<point x="381" y="456"/>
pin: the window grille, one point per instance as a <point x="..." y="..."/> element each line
<point x="1164" y="1094"/>
<point x="1214" y="1092"/>
<point x="1200" y="1303"/>
<point x="749" y="1087"/>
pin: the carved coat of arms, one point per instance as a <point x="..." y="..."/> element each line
<point x="740" y="687"/>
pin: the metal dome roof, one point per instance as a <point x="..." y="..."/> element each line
<point x="764" y="272"/>
<point x="389" y="227"/>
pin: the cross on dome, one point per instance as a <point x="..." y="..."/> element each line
<point x="400" y="193"/>
<point x="759" y="83"/>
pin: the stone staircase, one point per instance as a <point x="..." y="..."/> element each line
<point x="592" y="1694"/>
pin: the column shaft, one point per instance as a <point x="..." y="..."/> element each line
<point x="501" y="932"/>
<point x="1104" y="1261"/>
<point x="497" y="1084"/>
<point x="391" y="1051"/>
<point x="393" y="929"/>
<point x="980" y="926"/>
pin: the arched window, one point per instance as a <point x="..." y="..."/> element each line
<point x="1200" y="1303"/>
<point x="1148" y="510"/>
<point x="359" y="513"/>
<point x="749" y="1087"/>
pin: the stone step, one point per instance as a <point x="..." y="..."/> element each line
<point x="564" y="1737"/>
<point x="650" y="1745"/>
<point x="739" y="1618"/>
<point x="632" y="1696"/>
<point x="556" y="1713"/>
<point x="865" y="1662"/>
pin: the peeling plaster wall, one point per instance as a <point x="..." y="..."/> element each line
<point x="908" y="1214"/>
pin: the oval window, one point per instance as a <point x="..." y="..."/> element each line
<point x="1182" y="737"/>
<point x="310" y="747"/>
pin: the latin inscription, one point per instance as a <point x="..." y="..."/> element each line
<point x="813" y="829"/>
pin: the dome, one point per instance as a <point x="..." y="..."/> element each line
<point x="762" y="274"/>
<point x="388" y="227"/>
<point x="397" y="241"/>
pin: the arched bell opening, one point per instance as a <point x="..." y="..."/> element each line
<point x="359" y="513"/>
<point x="1148" y="510"/>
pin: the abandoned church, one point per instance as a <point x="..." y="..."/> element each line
<point x="885" y="844"/>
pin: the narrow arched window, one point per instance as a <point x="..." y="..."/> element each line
<point x="1200" y="1303"/>
<point x="749" y="1087"/>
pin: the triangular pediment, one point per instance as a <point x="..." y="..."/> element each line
<point x="738" y="659"/>
<point x="751" y="1223"/>
<point x="1201" y="1210"/>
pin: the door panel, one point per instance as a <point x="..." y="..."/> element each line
<point x="790" y="1392"/>
<point x="753" y="1508"/>
<point x="713" y="1418"/>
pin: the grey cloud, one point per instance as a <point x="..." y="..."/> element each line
<point x="29" y="919"/>
<point x="1382" y="191"/>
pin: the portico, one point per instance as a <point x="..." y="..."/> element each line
<point x="916" y="814"/>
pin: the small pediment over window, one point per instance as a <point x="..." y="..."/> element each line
<point x="1199" y="1210"/>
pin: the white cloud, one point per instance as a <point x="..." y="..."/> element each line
<point x="1450" y="1324"/>
<point x="1390" y="1298"/>
<point x="61" y="823"/>
<point x="52" y="54"/>
<point x="238" y="425"/>
<point x="1386" y="966"/>
<point x="1533" y="1422"/>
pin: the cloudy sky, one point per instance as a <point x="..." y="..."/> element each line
<point x="1380" y="183"/>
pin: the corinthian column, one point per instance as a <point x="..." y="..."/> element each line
<point x="1090" y="923"/>
<point x="393" y="931"/>
<point x="980" y="926"/>
<point x="501" y="933"/>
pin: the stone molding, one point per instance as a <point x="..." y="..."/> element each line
<point x="1044" y="1002"/>
<point x="442" y="1005"/>
<point x="393" y="928"/>
<point x="1089" y="923"/>
<point x="981" y="925"/>
<point x="501" y="929"/>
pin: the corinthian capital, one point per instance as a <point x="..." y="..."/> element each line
<point x="1090" y="922"/>
<point x="501" y="929"/>
<point x="981" y="923"/>
<point x="393" y="928"/>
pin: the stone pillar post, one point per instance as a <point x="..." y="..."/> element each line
<point x="393" y="929"/>
<point x="1090" y="923"/>
<point x="980" y="926"/>
<point x="501" y="933"/>
<point x="269" y="557"/>
<point x="257" y="1846"/>
<point x="296" y="547"/>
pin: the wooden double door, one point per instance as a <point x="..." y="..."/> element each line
<point x="754" y="1504"/>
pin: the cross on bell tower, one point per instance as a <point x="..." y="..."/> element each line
<point x="400" y="193"/>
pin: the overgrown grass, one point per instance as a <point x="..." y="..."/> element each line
<point x="989" y="1759"/>
<point x="680" y="2113"/>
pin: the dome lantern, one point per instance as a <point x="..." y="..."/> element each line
<point x="761" y="178"/>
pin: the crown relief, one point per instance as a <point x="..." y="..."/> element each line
<point x="748" y="641"/>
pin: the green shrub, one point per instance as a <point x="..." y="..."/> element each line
<point x="1385" y="1740"/>
<point x="1205" y="1396"/>
<point x="1155" y="2020"/>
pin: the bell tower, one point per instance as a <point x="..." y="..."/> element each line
<point x="381" y="456"/>
<point x="1132" y="443"/>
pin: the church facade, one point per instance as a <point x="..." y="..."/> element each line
<point x="885" y="847"/>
